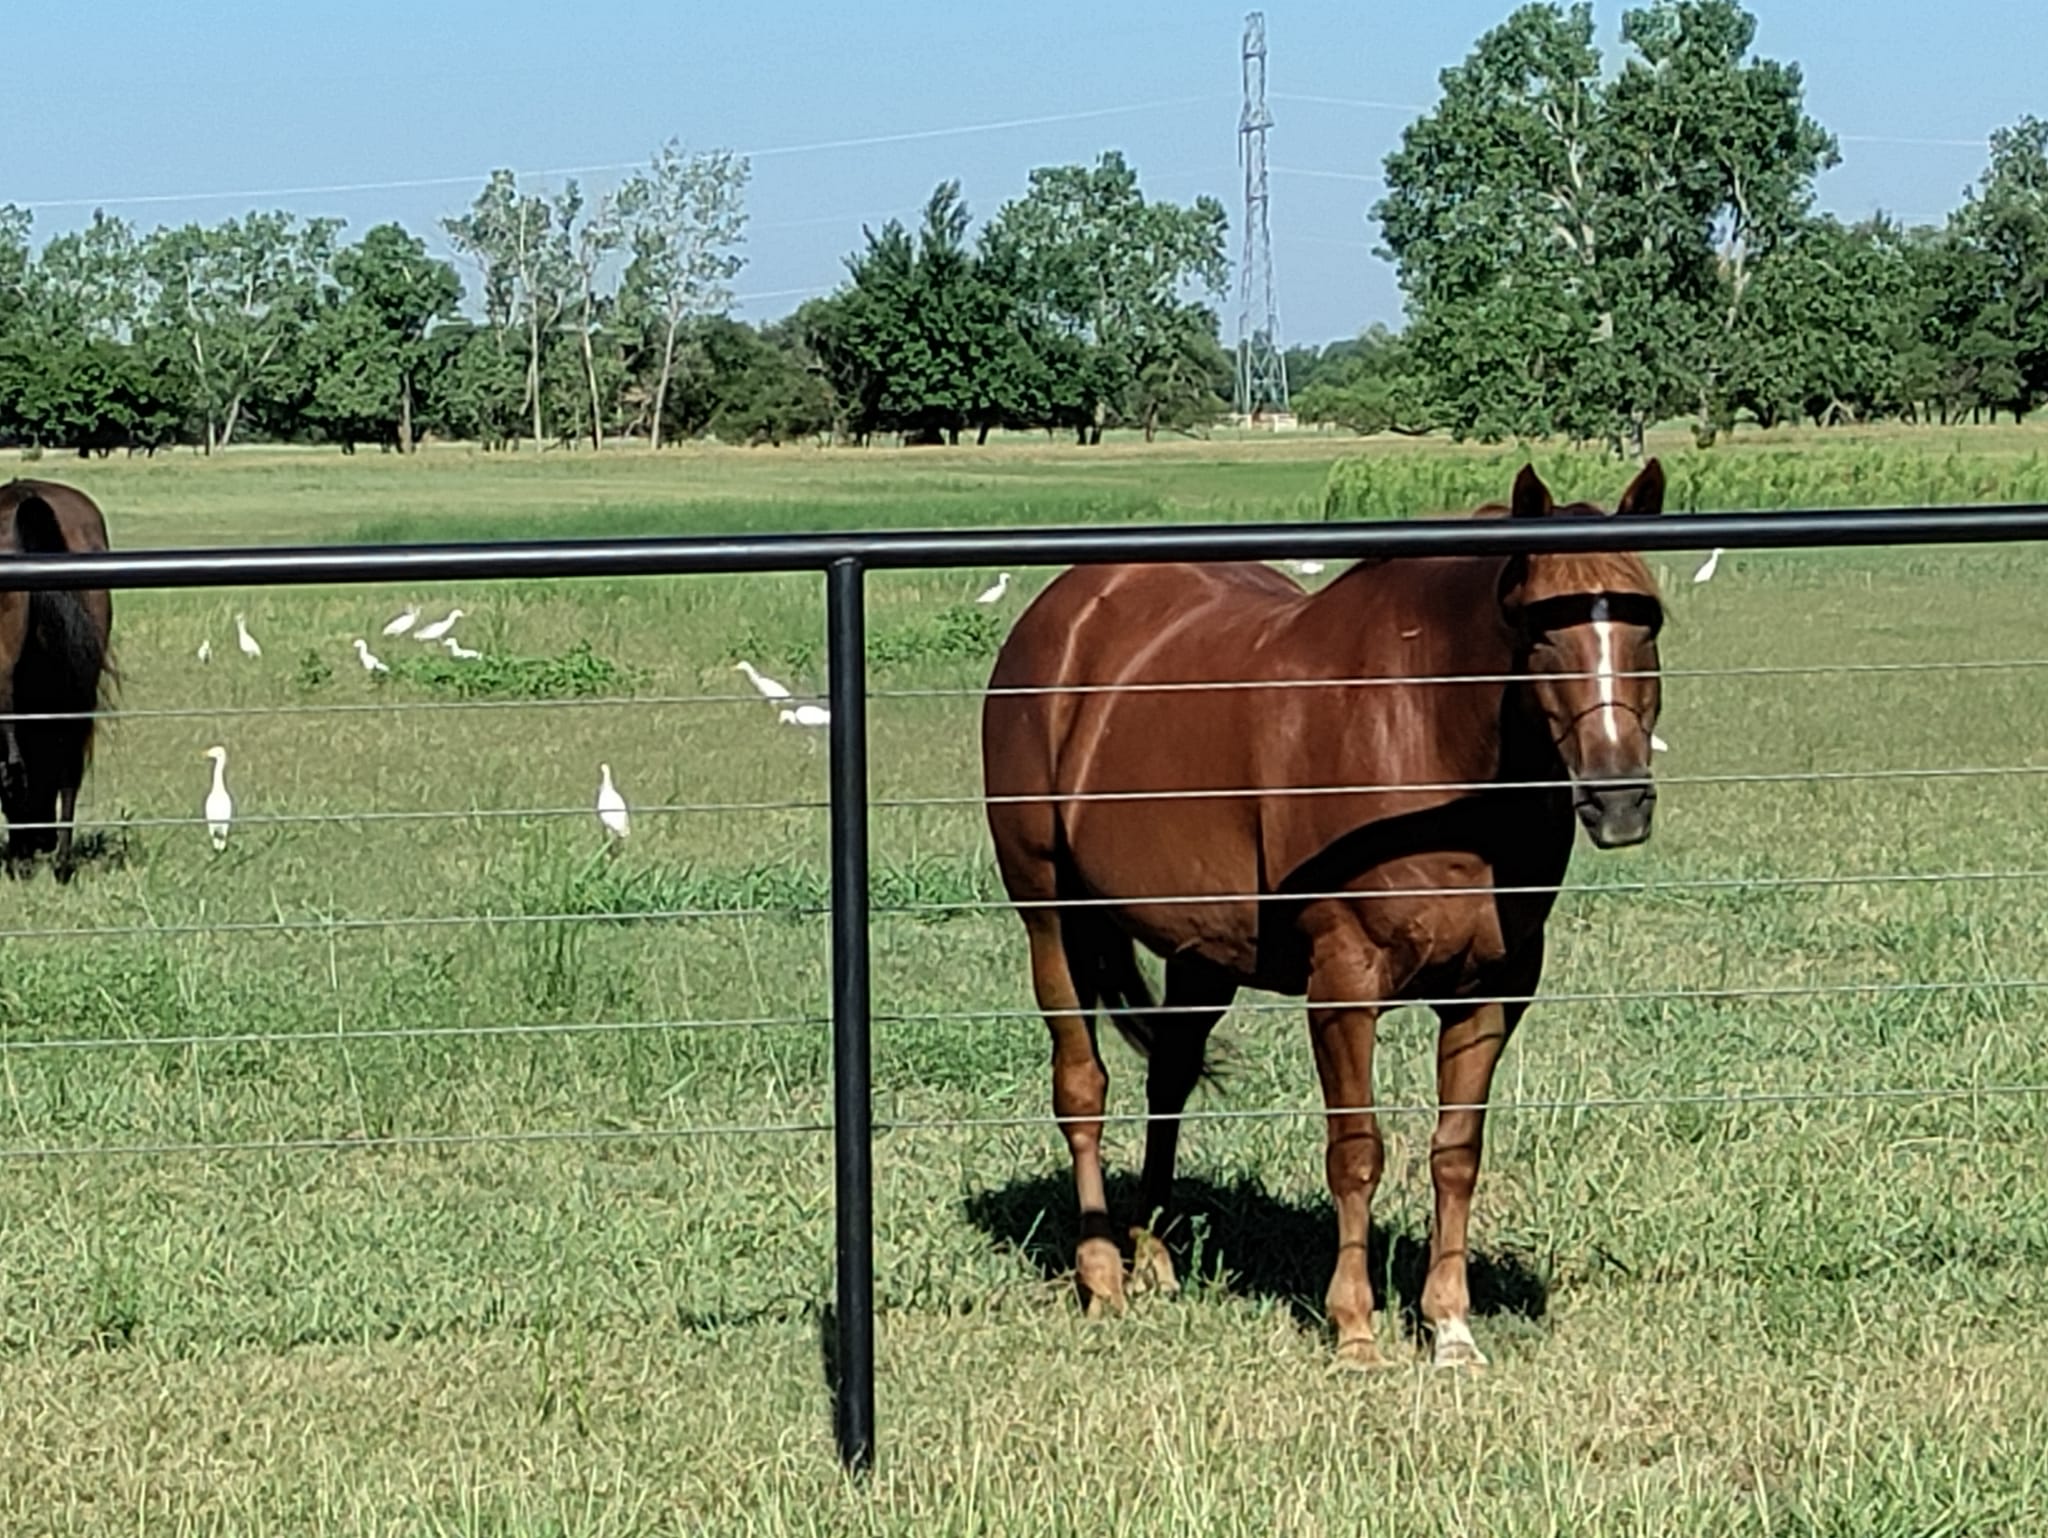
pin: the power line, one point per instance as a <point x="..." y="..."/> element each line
<point x="770" y="152"/>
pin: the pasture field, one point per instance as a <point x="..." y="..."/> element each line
<point x="511" y="1293"/>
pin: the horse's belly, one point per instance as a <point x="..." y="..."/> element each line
<point x="1176" y="883"/>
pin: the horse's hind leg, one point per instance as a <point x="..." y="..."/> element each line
<point x="61" y="863"/>
<point x="1197" y="995"/>
<point x="1080" y="1087"/>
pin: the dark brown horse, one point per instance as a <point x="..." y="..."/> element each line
<point x="1419" y="879"/>
<point x="53" y="663"/>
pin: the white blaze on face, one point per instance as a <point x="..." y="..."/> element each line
<point x="1607" y="680"/>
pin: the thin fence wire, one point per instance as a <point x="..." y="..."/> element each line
<point x="977" y="692"/>
<point x="1753" y="1100"/>
<point x="928" y="910"/>
<point x="918" y="803"/>
<point x="343" y="1040"/>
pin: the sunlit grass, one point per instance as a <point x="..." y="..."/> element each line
<point x="1815" y="1317"/>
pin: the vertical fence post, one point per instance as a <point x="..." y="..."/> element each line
<point x="852" y="1114"/>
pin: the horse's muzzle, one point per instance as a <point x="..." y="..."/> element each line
<point x="1616" y="812"/>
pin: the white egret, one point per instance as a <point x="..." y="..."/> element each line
<point x="805" y="715"/>
<point x="458" y="651"/>
<point x="994" y="592"/>
<point x="205" y="652"/>
<point x="369" y="659"/>
<point x="1658" y="744"/>
<point x="245" y="640"/>
<point x="611" y="806"/>
<point x="1306" y="568"/>
<point x="767" y="687"/>
<point x="1708" y="567"/>
<point x="439" y="628"/>
<point x="220" y="806"/>
<point x="405" y="621"/>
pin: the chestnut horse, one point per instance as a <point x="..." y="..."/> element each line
<point x="1427" y="874"/>
<point x="53" y="664"/>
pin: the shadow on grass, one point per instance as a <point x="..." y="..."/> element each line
<point x="1253" y="1244"/>
<point x="90" y="852"/>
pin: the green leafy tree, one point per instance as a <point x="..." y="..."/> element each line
<point x="1095" y="260"/>
<point x="1999" y="272"/>
<point x="520" y="243"/>
<point x="229" y="301"/>
<point x="389" y="294"/>
<point x="684" y="218"/>
<point x="1576" y="249"/>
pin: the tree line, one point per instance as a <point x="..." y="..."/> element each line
<point x="1586" y="250"/>
<point x="597" y="319"/>
<point x="1583" y="250"/>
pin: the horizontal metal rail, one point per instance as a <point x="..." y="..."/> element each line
<point x="884" y="550"/>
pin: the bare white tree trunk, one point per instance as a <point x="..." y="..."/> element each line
<point x="668" y="368"/>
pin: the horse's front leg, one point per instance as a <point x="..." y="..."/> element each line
<point x="1468" y="1048"/>
<point x="1347" y="974"/>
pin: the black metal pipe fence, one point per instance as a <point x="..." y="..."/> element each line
<point x="844" y="561"/>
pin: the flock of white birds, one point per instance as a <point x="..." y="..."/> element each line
<point x="612" y="811"/>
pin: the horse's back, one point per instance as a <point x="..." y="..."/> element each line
<point x="1063" y="725"/>
<point x="76" y="521"/>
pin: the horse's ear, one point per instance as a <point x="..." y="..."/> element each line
<point x="1645" y="495"/>
<point x="1531" y="498"/>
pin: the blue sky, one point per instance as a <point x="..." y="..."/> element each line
<point x="118" y="100"/>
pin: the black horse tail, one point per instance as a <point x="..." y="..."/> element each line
<point x="1109" y="961"/>
<point x="75" y="669"/>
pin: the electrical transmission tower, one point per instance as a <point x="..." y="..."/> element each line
<point x="1261" y="370"/>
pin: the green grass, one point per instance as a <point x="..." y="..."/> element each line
<point x="1809" y="1318"/>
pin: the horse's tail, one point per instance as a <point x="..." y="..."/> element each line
<point x="81" y="672"/>
<point x="1109" y="960"/>
<point x="1122" y="989"/>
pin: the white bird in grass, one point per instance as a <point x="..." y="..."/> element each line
<point x="1658" y="744"/>
<point x="245" y="640"/>
<point x="611" y="806"/>
<point x="767" y="687"/>
<point x="369" y="659"/>
<point x="1306" y="568"/>
<point x="994" y="592"/>
<point x="220" y="806"/>
<point x="439" y="628"/>
<point x="205" y="652"/>
<point x="1708" y="567"/>
<point x="405" y="621"/>
<point x="458" y="651"/>
<point x="805" y="715"/>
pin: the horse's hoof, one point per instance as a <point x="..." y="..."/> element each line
<point x="1099" y="1272"/>
<point x="1151" y="1263"/>
<point x="64" y="873"/>
<point x="1456" y="1349"/>
<point x="21" y="869"/>
<point x="1360" y="1354"/>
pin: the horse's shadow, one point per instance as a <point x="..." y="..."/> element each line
<point x="98" y="850"/>
<point x="1253" y="1244"/>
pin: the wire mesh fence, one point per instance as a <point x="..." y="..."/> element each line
<point x="766" y="970"/>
